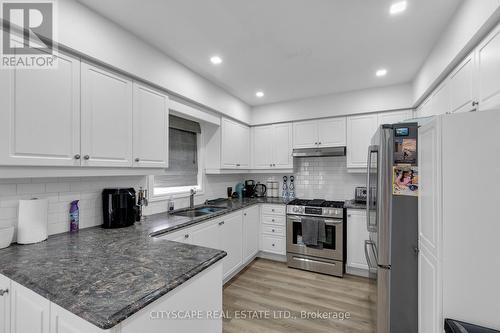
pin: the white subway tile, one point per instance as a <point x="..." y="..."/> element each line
<point x="57" y="187"/>
<point x="8" y="189"/>
<point x="8" y="213"/>
<point x="30" y="188"/>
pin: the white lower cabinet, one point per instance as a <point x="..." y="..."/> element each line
<point x="63" y="321"/>
<point x="273" y="229"/>
<point x="357" y="234"/>
<point x="231" y="231"/>
<point x="250" y="233"/>
<point x="30" y="312"/>
<point x="6" y="291"/>
<point x="429" y="305"/>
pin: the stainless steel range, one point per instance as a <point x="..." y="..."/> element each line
<point x="326" y="257"/>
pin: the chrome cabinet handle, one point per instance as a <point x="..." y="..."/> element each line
<point x="221" y="223"/>
<point x="319" y="143"/>
<point x="137" y="159"/>
<point x="4" y="291"/>
<point x="273" y="245"/>
<point x="244" y="214"/>
<point x="77" y="156"/>
<point x="86" y="157"/>
<point x="272" y="230"/>
<point x="270" y="165"/>
<point x="186" y="236"/>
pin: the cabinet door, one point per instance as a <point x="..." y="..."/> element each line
<point x="235" y="146"/>
<point x="251" y="224"/>
<point x="332" y="132"/>
<point x="5" y="304"/>
<point x="207" y="235"/>
<point x="63" y="321"/>
<point x="40" y="118"/>
<point x="231" y="231"/>
<point x="463" y="86"/>
<point x="429" y="289"/>
<point x="106" y="118"/>
<point x="29" y="311"/>
<point x="393" y="117"/>
<point x="440" y="100"/>
<point x="488" y="67"/>
<point x="357" y="234"/>
<point x="305" y="134"/>
<point x="424" y="109"/>
<point x="360" y="130"/>
<point x="262" y="147"/>
<point x="150" y="128"/>
<point x="282" y="145"/>
<point x="243" y="147"/>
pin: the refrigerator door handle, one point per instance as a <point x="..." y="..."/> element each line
<point x="371" y="149"/>
<point x="368" y="244"/>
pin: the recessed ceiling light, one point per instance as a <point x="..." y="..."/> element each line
<point x="216" y="60"/>
<point x="259" y="94"/>
<point x="381" y="72"/>
<point x="398" y="7"/>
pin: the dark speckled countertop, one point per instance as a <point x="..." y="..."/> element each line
<point x="105" y="276"/>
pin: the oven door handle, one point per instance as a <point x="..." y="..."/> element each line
<point x="329" y="222"/>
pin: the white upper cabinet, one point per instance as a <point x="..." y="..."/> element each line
<point x="305" y="134"/>
<point x="360" y="130"/>
<point x="394" y="117"/>
<point x="40" y="117"/>
<point x="106" y="118"/>
<point x="320" y="133"/>
<point x="272" y="146"/>
<point x="150" y="128"/>
<point x="463" y="86"/>
<point x="262" y="148"/>
<point x="332" y="132"/>
<point x="440" y="100"/>
<point x="488" y="68"/>
<point x="235" y="145"/>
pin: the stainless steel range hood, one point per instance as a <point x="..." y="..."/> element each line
<point x="319" y="152"/>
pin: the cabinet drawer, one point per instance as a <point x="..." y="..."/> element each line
<point x="274" y="219"/>
<point x="273" y="209"/>
<point x="273" y="230"/>
<point x="273" y="244"/>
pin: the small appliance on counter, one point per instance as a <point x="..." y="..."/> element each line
<point x="455" y="326"/>
<point x="260" y="190"/>
<point x="239" y="191"/>
<point x="6" y="236"/>
<point x="249" y="188"/>
<point x="360" y="194"/>
<point x="272" y="189"/>
<point x="119" y="207"/>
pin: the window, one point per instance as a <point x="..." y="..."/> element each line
<point x="184" y="172"/>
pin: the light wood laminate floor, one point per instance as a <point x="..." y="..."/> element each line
<point x="266" y="287"/>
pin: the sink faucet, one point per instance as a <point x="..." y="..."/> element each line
<point x="191" y="198"/>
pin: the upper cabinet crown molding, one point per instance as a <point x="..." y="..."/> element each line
<point x="320" y="133"/>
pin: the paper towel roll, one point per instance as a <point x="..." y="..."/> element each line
<point x="32" y="226"/>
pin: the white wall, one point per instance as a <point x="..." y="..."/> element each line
<point x="473" y="20"/>
<point x="361" y="101"/>
<point x="85" y="31"/>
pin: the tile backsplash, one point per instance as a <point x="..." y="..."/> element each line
<point x="321" y="178"/>
<point x="60" y="192"/>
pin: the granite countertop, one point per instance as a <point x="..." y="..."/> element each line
<point x="352" y="204"/>
<point x="106" y="275"/>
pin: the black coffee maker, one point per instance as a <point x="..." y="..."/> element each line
<point x="249" y="188"/>
<point x="119" y="207"/>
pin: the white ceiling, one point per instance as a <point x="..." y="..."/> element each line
<point x="288" y="48"/>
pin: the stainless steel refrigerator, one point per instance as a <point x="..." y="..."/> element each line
<point x="392" y="222"/>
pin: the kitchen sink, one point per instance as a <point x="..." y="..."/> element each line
<point x="198" y="211"/>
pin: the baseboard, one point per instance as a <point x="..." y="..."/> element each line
<point x="357" y="271"/>
<point x="272" y="256"/>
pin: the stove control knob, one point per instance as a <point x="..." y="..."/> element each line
<point x="295" y="209"/>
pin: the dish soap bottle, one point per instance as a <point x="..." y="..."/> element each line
<point x="74" y="216"/>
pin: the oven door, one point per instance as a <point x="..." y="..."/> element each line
<point x="332" y="248"/>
